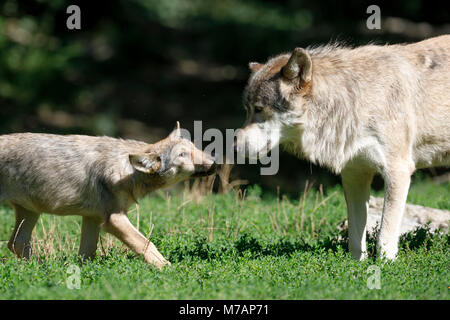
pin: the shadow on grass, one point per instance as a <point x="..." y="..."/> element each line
<point x="252" y="247"/>
<point x="188" y="248"/>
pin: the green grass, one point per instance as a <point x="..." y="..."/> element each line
<point x="224" y="247"/>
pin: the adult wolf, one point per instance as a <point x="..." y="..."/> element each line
<point x="97" y="178"/>
<point x="357" y="111"/>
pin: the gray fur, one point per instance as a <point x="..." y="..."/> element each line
<point x="94" y="177"/>
<point x="365" y="110"/>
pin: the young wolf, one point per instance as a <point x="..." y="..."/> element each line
<point x="357" y="111"/>
<point x="97" y="178"/>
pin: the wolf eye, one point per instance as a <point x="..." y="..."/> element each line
<point x="258" y="109"/>
<point x="183" y="154"/>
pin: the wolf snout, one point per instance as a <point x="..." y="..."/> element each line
<point x="214" y="167"/>
<point x="206" y="170"/>
<point x="211" y="168"/>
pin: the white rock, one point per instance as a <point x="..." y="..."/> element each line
<point x="415" y="216"/>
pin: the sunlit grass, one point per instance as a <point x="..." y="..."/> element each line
<point x="244" y="245"/>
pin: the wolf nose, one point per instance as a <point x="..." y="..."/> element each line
<point x="214" y="167"/>
<point x="212" y="155"/>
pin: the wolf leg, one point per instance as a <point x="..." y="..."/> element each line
<point x="19" y="242"/>
<point x="397" y="181"/>
<point x="90" y="229"/>
<point x="119" y="226"/>
<point x="356" y="183"/>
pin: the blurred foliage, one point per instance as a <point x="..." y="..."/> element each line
<point x="137" y="66"/>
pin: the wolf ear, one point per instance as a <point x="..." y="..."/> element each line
<point x="255" y="66"/>
<point x="299" y="65"/>
<point x="145" y="162"/>
<point x="176" y="133"/>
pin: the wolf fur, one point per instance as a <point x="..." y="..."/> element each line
<point x="97" y="178"/>
<point x="357" y="111"/>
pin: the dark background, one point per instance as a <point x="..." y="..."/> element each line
<point x="138" y="66"/>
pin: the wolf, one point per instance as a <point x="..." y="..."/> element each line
<point x="358" y="111"/>
<point x="97" y="178"/>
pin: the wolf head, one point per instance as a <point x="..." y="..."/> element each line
<point x="275" y="99"/>
<point x="173" y="159"/>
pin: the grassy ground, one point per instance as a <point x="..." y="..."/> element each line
<point x="231" y="247"/>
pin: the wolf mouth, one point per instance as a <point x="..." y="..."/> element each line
<point x="208" y="172"/>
